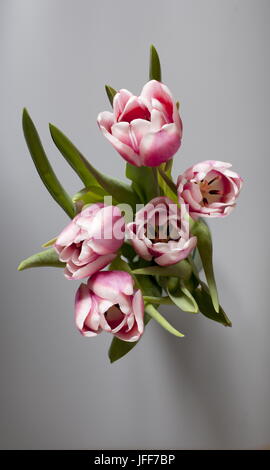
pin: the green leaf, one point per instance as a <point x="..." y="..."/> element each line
<point x="149" y="286"/>
<point x="118" y="264"/>
<point x="128" y="252"/>
<point x="153" y="312"/>
<point x="197" y="260"/>
<point x="90" y="195"/>
<point x="157" y="300"/>
<point x="167" y="167"/>
<point x="183" y="299"/>
<point x="169" y="183"/>
<point x="181" y="269"/>
<point x="204" y="245"/>
<point x="167" y="191"/>
<point x="43" y="166"/>
<point x="154" y="65"/>
<point x="44" y="258"/>
<point x="143" y="181"/>
<point x="205" y="304"/>
<point x="49" y="242"/>
<point x="121" y="192"/>
<point x="72" y="155"/>
<point x="111" y="92"/>
<point x="120" y="348"/>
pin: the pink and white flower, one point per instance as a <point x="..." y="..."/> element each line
<point x="161" y="232"/>
<point x="210" y="189"/>
<point x="91" y="240"/>
<point x="146" y="129"/>
<point x="109" y="302"/>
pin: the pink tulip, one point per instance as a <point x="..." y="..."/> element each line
<point x="210" y="189"/>
<point x="160" y="232"/>
<point x="110" y="303"/>
<point x="146" y="129"/>
<point x="91" y="240"/>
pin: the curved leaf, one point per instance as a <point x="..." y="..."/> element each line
<point x="153" y="312"/>
<point x="197" y="260"/>
<point x="205" y="304"/>
<point x="143" y="181"/>
<point x="72" y="156"/>
<point x="118" y="264"/>
<point x="157" y="300"/>
<point x="154" y="65"/>
<point x="90" y="195"/>
<point x="119" y="348"/>
<point x="43" y="166"/>
<point x="169" y="183"/>
<point x="44" y="258"/>
<point x="204" y="245"/>
<point x="183" y="299"/>
<point x="49" y="242"/>
<point x="111" y="92"/>
<point x="181" y="269"/>
<point x="120" y="191"/>
<point x="167" y="191"/>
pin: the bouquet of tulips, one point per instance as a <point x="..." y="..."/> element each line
<point x="142" y="244"/>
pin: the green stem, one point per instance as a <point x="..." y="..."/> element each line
<point x="157" y="188"/>
<point x="168" y="180"/>
<point x="168" y="165"/>
<point x="157" y="300"/>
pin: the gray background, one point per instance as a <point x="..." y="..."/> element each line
<point x="211" y="389"/>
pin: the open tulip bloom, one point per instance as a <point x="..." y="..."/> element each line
<point x="136" y="246"/>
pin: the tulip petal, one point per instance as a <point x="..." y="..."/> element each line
<point x="83" y="304"/>
<point x="121" y="131"/>
<point x="105" y="119"/>
<point x="134" y="109"/>
<point x="119" y="102"/>
<point x="154" y="90"/>
<point x="175" y="256"/>
<point x="138" y="309"/>
<point x="125" y="151"/>
<point x="110" y="284"/>
<point x="138" y="129"/>
<point x="158" y="147"/>
<point x="91" y="268"/>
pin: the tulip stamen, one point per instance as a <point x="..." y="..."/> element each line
<point x="210" y="195"/>
<point x="212" y="180"/>
<point x="214" y="191"/>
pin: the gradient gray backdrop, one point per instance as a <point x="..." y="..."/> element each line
<point x="210" y="389"/>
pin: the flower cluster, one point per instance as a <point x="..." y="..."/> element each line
<point x="156" y="252"/>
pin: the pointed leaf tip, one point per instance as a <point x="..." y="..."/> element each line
<point x="205" y="248"/>
<point x="43" y="165"/>
<point x="111" y="92"/>
<point x="154" y="313"/>
<point x="44" y="258"/>
<point x="72" y="155"/>
<point x="154" y="66"/>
